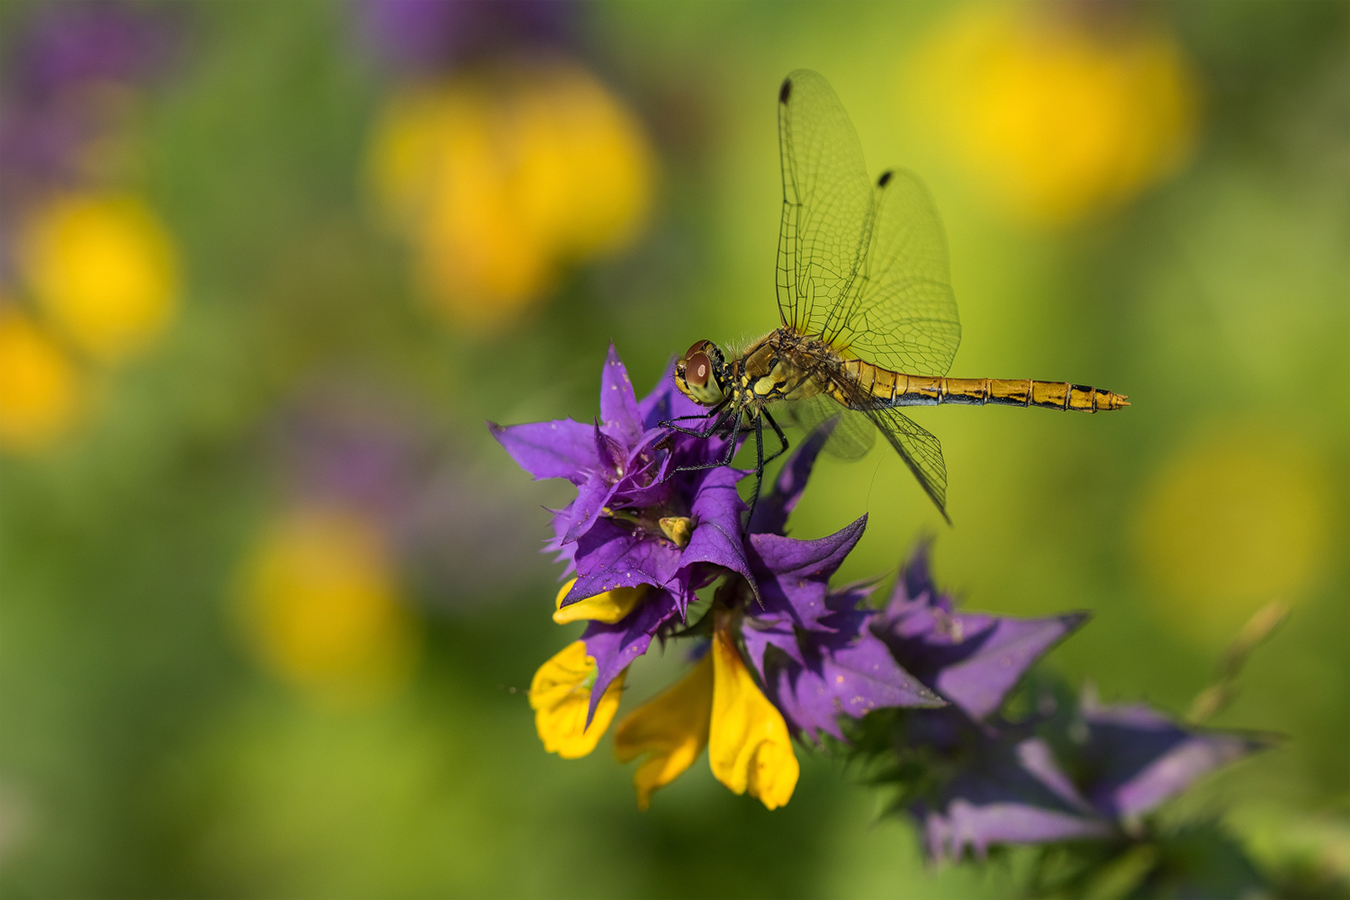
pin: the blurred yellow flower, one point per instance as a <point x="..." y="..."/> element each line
<point x="609" y="607"/>
<point x="322" y="607"/>
<point x="1059" y="116"/>
<point x="1234" y="521"/>
<point x="560" y="695"/>
<point x="501" y="181"/>
<point x="38" y="385"/>
<point x="104" y="269"/>
<point x="748" y="743"/>
<point x="672" y="729"/>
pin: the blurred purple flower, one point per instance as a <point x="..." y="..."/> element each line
<point x="1072" y="774"/>
<point x="49" y="112"/>
<point x="1011" y="788"/>
<point x="348" y="446"/>
<point x="1133" y="758"/>
<point x="430" y="35"/>
<point x="345" y="447"/>
<point x="1006" y="788"/>
<point x="973" y="660"/>
<point x="71" y="44"/>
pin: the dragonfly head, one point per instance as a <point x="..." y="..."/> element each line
<point x="699" y="373"/>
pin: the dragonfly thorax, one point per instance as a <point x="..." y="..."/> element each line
<point x="701" y="374"/>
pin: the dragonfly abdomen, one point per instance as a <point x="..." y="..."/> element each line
<point x="887" y="389"/>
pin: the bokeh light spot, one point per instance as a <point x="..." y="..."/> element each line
<point x="322" y="608"/>
<point x="104" y="268"/>
<point x="1235" y="520"/>
<point x="500" y="181"/>
<point x="1057" y="116"/>
<point x="38" y="385"/>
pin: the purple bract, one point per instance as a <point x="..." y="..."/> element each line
<point x="1078" y="774"/>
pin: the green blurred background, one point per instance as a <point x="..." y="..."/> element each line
<point x="271" y="595"/>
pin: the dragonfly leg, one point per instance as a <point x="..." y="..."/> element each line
<point x="782" y="438"/>
<point x="731" y="447"/>
<point x="759" y="465"/>
<point x="705" y="433"/>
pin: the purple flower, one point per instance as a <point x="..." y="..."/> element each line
<point x="838" y="667"/>
<point x="648" y="528"/>
<point x="637" y="519"/>
<point x="814" y="649"/>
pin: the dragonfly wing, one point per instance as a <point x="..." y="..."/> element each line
<point x="852" y="436"/>
<point x="919" y="449"/>
<point x="900" y="312"/>
<point x="861" y="265"/>
<point x="827" y="202"/>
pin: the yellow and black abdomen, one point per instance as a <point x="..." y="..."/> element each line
<point x="886" y="389"/>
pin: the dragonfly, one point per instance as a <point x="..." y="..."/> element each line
<point x="867" y="317"/>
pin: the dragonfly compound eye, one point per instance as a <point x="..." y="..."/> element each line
<point x="697" y="374"/>
<point x="696" y="347"/>
<point x="697" y="369"/>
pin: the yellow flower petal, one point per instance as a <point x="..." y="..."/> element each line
<point x="38" y="386"/>
<point x="104" y="268"/>
<point x="609" y="607"/>
<point x="748" y="747"/>
<point x="673" y="728"/>
<point x="560" y="696"/>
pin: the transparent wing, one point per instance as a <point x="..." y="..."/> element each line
<point x="863" y="266"/>
<point x="919" y="449"/>
<point x="851" y="438"/>
<point x="827" y="200"/>
<point x="900" y="311"/>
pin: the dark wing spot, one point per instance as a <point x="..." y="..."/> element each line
<point x="885" y="177"/>
<point x="785" y="91"/>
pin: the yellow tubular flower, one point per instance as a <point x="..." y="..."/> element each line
<point x="37" y="385"/>
<point x="748" y="746"/>
<point x="104" y="268"/>
<point x="609" y="607"/>
<point x="560" y="695"/>
<point x="673" y="728"/>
